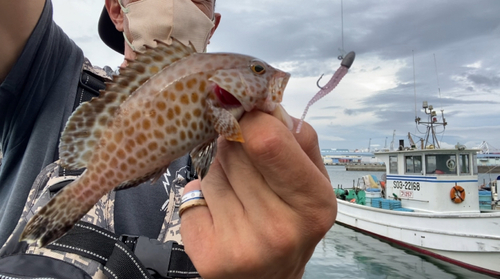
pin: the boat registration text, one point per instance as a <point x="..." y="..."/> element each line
<point x="406" y="185"/>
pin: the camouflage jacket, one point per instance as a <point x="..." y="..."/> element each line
<point x="101" y="214"/>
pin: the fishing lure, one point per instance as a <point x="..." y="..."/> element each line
<point x="332" y="83"/>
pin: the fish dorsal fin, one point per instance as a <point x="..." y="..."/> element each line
<point x="89" y="121"/>
<point x="147" y="64"/>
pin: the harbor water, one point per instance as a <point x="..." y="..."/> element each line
<point x="345" y="253"/>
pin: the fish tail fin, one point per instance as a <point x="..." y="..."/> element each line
<point x="57" y="217"/>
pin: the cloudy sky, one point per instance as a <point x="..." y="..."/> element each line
<point x="446" y="52"/>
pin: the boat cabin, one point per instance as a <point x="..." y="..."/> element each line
<point x="433" y="180"/>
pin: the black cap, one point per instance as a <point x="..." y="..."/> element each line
<point x="108" y="33"/>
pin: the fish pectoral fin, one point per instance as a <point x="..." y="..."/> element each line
<point x="153" y="175"/>
<point x="224" y="122"/>
<point x="202" y="157"/>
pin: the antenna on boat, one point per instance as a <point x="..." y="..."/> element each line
<point x="414" y="84"/>
<point x="392" y="142"/>
<point x="437" y="78"/>
<point x="431" y="125"/>
<point x="439" y="94"/>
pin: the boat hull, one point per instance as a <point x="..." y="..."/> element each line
<point x="470" y="240"/>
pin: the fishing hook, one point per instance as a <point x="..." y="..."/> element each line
<point x="317" y="82"/>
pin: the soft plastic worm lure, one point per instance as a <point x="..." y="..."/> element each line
<point x="332" y="83"/>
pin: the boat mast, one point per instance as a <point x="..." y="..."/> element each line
<point x="431" y="126"/>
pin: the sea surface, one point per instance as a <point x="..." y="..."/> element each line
<point x="345" y="253"/>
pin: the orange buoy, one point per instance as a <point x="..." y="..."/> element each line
<point x="457" y="194"/>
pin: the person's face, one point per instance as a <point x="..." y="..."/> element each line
<point x="121" y="23"/>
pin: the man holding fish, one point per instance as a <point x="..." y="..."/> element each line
<point x="260" y="209"/>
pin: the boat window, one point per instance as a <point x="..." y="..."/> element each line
<point x="441" y="164"/>
<point x="413" y="164"/>
<point x="393" y="164"/>
<point x="464" y="164"/>
<point x="474" y="164"/>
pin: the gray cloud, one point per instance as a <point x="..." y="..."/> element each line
<point x="451" y="46"/>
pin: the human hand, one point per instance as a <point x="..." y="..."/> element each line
<point x="269" y="203"/>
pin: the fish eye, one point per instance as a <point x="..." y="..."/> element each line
<point x="258" y="67"/>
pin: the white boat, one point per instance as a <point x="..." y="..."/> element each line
<point x="442" y="214"/>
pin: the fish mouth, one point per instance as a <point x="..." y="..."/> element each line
<point x="229" y="102"/>
<point x="225" y="98"/>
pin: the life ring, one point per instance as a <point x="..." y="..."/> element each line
<point x="457" y="194"/>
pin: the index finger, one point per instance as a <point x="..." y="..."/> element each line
<point x="307" y="138"/>
<point x="290" y="163"/>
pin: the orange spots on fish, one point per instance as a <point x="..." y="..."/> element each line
<point x="194" y="97"/>
<point x="194" y="126"/>
<point x="184" y="99"/>
<point x="161" y="105"/>
<point x="140" y="68"/>
<point x="94" y="177"/>
<point x="183" y="135"/>
<point x="177" y="110"/>
<point x="118" y="137"/>
<point x="179" y="86"/>
<point x="111" y="147"/>
<point x="187" y="115"/>
<point x="203" y="86"/>
<point x="158" y="134"/>
<point x="91" y="143"/>
<point x="160" y="120"/>
<point x="197" y="112"/>
<point x="170" y="114"/>
<point x="129" y="145"/>
<point x="120" y="176"/>
<point x="158" y="58"/>
<point x="172" y="129"/>
<point x="191" y="83"/>
<point x="146" y="124"/>
<point x="132" y="161"/>
<point x="130" y="131"/>
<point x="102" y="120"/>
<point x="174" y="142"/>
<point x="141" y="153"/>
<point x="113" y="163"/>
<point x="135" y="116"/>
<point x="105" y="157"/>
<point x="140" y="138"/>
<point x="123" y="167"/>
<point x="121" y="154"/>
<point x="152" y="146"/>
<point x="172" y="97"/>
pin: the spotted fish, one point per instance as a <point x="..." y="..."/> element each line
<point x="167" y="102"/>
